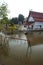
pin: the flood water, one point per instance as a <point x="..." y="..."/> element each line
<point x="16" y="52"/>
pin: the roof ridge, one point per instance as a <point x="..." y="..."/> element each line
<point x="36" y="12"/>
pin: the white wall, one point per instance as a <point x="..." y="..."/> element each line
<point x="31" y="19"/>
<point x="37" y="25"/>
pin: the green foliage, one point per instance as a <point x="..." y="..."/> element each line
<point x="14" y="20"/>
<point x="1" y="26"/>
<point x="18" y="19"/>
<point x="21" y="18"/>
<point x="4" y="13"/>
<point x="3" y="10"/>
<point x="5" y="20"/>
<point x="13" y="27"/>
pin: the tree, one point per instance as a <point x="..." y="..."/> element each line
<point x="5" y="20"/>
<point x="14" y="20"/>
<point x="20" y="18"/>
<point x="4" y="14"/>
<point x="3" y="10"/>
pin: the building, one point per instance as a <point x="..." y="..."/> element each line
<point x="35" y="20"/>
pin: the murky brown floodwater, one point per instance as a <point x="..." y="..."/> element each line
<point x="18" y="53"/>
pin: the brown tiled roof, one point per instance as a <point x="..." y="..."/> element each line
<point x="36" y="15"/>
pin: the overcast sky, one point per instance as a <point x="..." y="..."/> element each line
<point x="17" y="7"/>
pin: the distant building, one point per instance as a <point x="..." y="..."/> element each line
<point x="35" y="20"/>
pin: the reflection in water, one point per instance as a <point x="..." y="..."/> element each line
<point x="4" y="52"/>
<point x="19" y="52"/>
<point x="4" y="49"/>
<point x="28" y="49"/>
